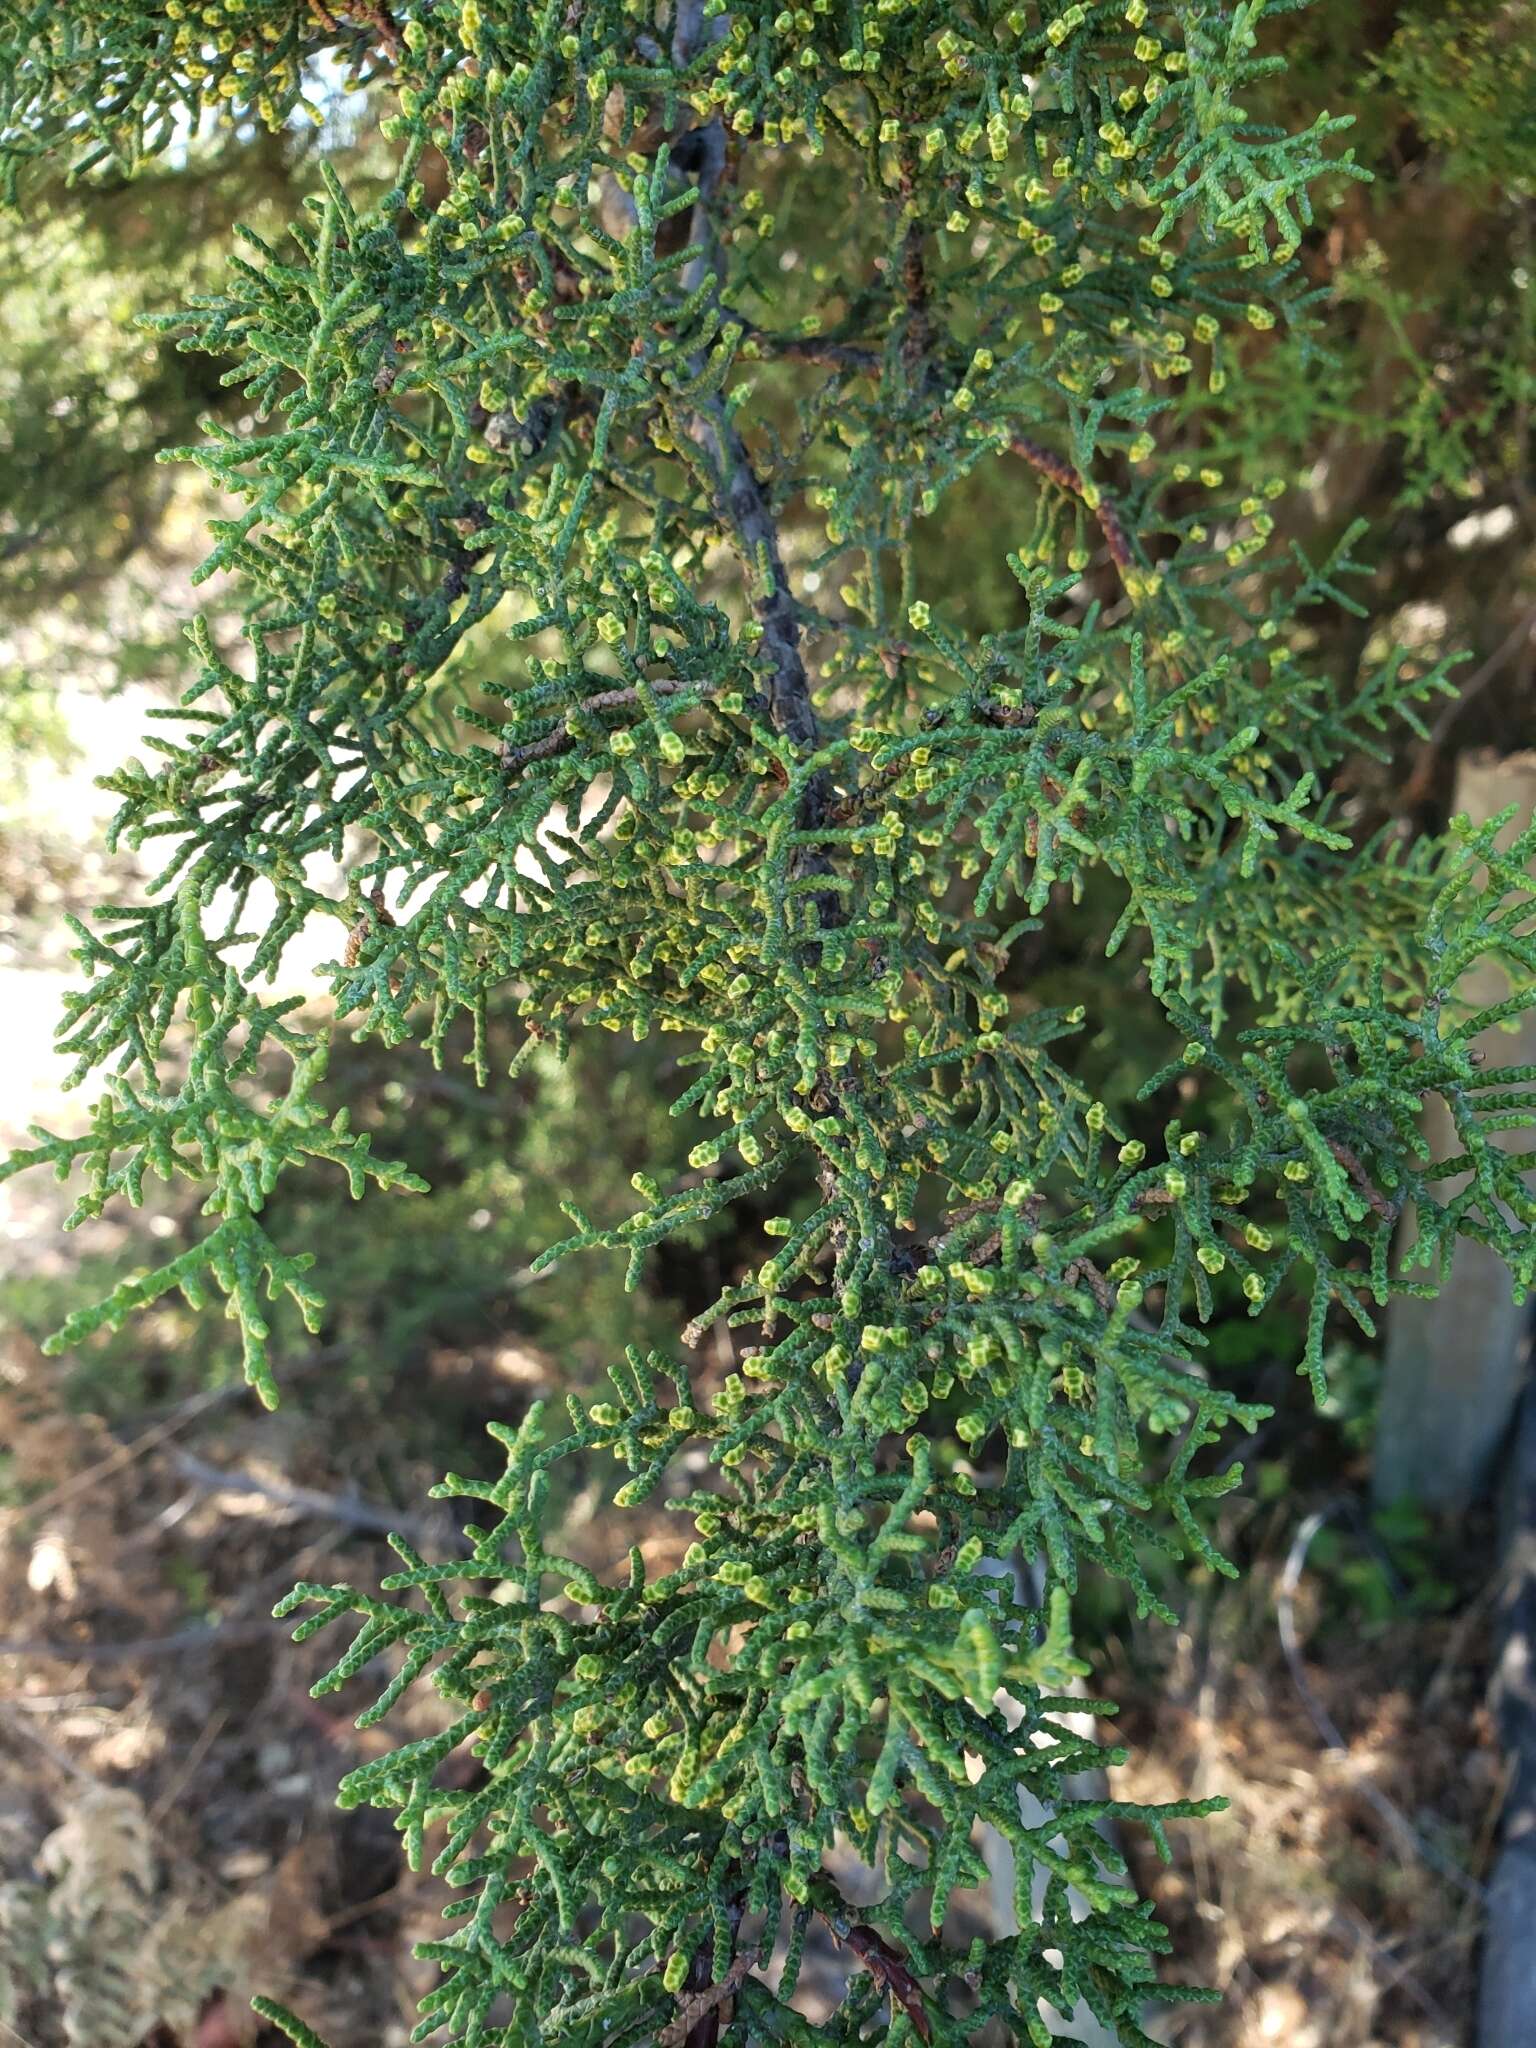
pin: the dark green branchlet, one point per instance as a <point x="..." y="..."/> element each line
<point x="582" y="379"/>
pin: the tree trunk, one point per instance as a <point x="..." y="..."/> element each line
<point x="1507" y="2004"/>
<point x="997" y="1853"/>
<point x="1455" y="1365"/>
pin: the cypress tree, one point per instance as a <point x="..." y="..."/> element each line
<point x="762" y="780"/>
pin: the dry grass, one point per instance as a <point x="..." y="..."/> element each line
<point x="218" y="1768"/>
<point x="1322" y="1923"/>
<point x="1315" y="1918"/>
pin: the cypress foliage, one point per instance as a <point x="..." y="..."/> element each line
<point x="763" y="785"/>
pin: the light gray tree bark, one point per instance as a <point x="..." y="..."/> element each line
<point x="1507" y="2001"/>
<point x="1456" y="1395"/>
<point x="1455" y="1366"/>
<point x="997" y="1853"/>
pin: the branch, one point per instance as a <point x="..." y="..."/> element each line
<point x="372" y="1517"/>
<point x="368" y="13"/>
<point x="914" y="283"/>
<point x="741" y="501"/>
<point x="1061" y="472"/>
<point x="744" y="506"/>
<point x="560" y="742"/>
<point x="812" y="348"/>
<point x="889" y="1969"/>
<point x="253" y="1630"/>
<point x="697" y="2011"/>
<point x="687" y="28"/>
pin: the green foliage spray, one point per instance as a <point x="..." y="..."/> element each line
<point x="677" y="330"/>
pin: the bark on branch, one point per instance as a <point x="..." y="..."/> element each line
<point x="560" y="741"/>
<point x="1061" y="472"/>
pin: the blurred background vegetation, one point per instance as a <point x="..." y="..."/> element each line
<point x="166" y="1840"/>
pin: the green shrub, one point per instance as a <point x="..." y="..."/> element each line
<point x="571" y="380"/>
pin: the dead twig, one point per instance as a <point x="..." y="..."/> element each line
<point x="1327" y="1728"/>
<point x="350" y="1510"/>
<point x="236" y="1628"/>
<point x="1482" y="676"/>
<point x="887" y="1967"/>
<point x="213" y="1727"/>
<point x="696" y="2006"/>
<point x="185" y="1412"/>
<point x="221" y="1633"/>
<point x="1417" y="787"/>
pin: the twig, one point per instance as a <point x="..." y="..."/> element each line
<point x="559" y="742"/>
<point x="212" y="1728"/>
<point x="1327" y="1728"/>
<point x="1481" y="677"/>
<point x="197" y="1405"/>
<point x="812" y="348"/>
<point x="916" y="341"/>
<point x="367" y="13"/>
<point x="1493" y="1815"/>
<point x="380" y="20"/>
<point x="61" y="1758"/>
<point x="58" y="1702"/>
<point x="250" y="1630"/>
<point x="697" y="2006"/>
<point x="1061" y="472"/>
<point x="361" y="1908"/>
<point x="349" y="1510"/>
<point x="1475" y="1611"/>
<point x="888" y="1968"/>
<point x="1350" y="1161"/>
<point x="1393" y="1972"/>
<point x="1508" y="1976"/>
<point x="1416" y="788"/>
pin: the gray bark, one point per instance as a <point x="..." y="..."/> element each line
<point x="997" y="1853"/>
<point x="1507" y="2004"/>
<point x="1455" y="1365"/>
